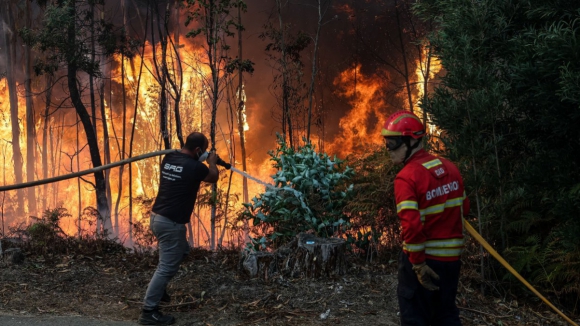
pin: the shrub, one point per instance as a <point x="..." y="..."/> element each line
<point x="46" y="233"/>
<point x="310" y="194"/>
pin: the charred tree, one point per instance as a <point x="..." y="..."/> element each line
<point x="322" y="7"/>
<point x="284" y="50"/>
<point x="122" y="147"/>
<point x="30" y="122"/>
<point x="133" y="127"/>
<point x="405" y="70"/>
<point x="10" y="53"/>
<point x="161" y="69"/>
<point x="101" y="92"/>
<point x="76" y="99"/>
<point x="45" y="124"/>
<point x="175" y="79"/>
<point x="106" y="138"/>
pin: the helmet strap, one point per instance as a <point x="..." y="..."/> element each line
<point x="410" y="148"/>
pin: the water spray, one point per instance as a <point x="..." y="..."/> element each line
<point x="298" y="194"/>
<point x="245" y="174"/>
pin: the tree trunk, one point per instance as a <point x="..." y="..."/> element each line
<point x="91" y="77"/>
<point x="242" y="122"/>
<point x="225" y="220"/>
<point x="10" y="50"/>
<point x="135" y="116"/>
<point x="178" y="73"/>
<point x="314" y="68"/>
<point x="404" y="53"/>
<point x="30" y="123"/>
<point x="80" y="197"/>
<point x="161" y="75"/>
<point x="48" y="79"/>
<point x="123" y="142"/>
<point x="286" y="116"/>
<point x="426" y="85"/>
<point x="106" y="141"/>
<point x="4" y="183"/>
<point x="190" y="234"/>
<point x="212" y="37"/>
<point x="100" y="185"/>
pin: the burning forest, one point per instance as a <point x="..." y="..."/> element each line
<point x="146" y="75"/>
<point x="302" y="102"/>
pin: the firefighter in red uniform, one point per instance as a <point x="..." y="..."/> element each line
<point x="430" y="204"/>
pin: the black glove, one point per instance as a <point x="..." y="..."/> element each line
<point x="424" y="274"/>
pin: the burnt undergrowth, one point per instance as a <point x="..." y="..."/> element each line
<point x="94" y="276"/>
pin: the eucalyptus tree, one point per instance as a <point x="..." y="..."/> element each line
<point x="284" y="50"/>
<point x="30" y="118"/>
<point x="64" y="38"/>
<point x="322" y="7"/>
<point x="10" y="45"/>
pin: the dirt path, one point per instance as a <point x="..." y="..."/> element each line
<point x="30" y="320"/>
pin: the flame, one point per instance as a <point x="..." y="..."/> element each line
<point x="362" y="124"/>
<point x="426" y="70"/>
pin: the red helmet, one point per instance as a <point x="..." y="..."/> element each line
<point x="403" y="123"/>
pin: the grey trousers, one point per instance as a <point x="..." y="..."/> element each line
<point x="173" y="248"/>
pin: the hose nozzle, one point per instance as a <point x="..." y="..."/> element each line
<point x="223" y="163"/>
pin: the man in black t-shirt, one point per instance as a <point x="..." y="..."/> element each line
<point x="181" y="175"/>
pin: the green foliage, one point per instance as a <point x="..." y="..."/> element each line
<point x="63" y="18"/>
<point x="371" y="211"/>
<point x="284" y="49"/>
<point x="310" y="194"/>
<point x="240" y="65"/>
<point x="47" y="227"/>
<point x="46" y="232"/>
<point x="508" y="109"/>
<point x="216" y="19"/>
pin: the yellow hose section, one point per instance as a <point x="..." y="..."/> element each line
<point x="494" y="253"/>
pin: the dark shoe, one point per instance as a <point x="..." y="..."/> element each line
<point x="155" y="317"/>
<point x="165" y="298"/>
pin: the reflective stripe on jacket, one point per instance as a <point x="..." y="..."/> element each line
<point x="430" y="197"/>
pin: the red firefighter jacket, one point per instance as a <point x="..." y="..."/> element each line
<point x="430" y="199"/>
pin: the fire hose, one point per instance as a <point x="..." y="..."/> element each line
<point x="497" y="256"/>
<point x="81" y="173"/>
<point x="98" y="169"/>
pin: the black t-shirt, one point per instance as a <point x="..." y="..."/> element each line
<point x="181" y="176"/>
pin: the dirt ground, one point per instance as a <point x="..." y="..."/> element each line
<point x="210" y="290"/>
